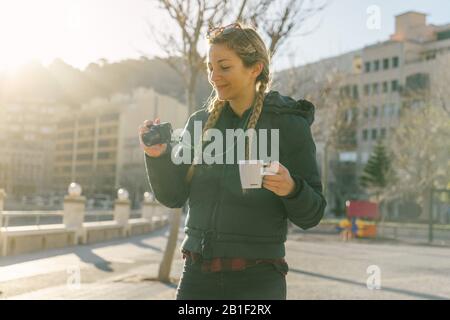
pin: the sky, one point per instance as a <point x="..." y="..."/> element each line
<point x="84" y="31"/>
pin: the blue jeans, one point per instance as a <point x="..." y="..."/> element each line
<point x="263" y="281"/>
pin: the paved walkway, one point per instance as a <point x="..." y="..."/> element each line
<point x="321" y="267"/>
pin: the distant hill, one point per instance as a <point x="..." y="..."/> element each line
<point x="62" y="82"/>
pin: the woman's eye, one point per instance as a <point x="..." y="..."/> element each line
<point x="223" y="68"/>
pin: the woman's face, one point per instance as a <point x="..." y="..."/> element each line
<point x="227" y="73"/>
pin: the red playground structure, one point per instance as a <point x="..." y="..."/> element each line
<point x="361" y="220"/>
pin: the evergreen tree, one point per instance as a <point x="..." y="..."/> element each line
<point x="375" y="176"/>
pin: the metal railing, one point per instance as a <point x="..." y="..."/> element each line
<point x="29" y="218"/>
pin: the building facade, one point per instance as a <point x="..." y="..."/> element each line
<point x="27" y="128"/>
<point x="381" y="79"/>
<point x="98" y="147"/>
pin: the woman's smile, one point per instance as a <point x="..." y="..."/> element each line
<point x="221" y="87"/>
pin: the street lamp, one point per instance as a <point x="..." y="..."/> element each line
<point x="148" y="197"/>
<point x="74" y="189"/>
<point x="122" y="194"/>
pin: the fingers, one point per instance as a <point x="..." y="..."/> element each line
<point x="270" y="187"/>
<point x="281" y="169"/>
<point x="142" y="129"/>
<point x="276" y="177"/>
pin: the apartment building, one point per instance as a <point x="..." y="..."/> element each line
<point x="382" y="79"/>
<point x="27" y="127"/>
<point x="98" y="147"/>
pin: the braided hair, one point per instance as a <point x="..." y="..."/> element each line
<point x="250" y="54"/>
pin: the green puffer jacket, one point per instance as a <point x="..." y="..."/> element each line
<point x="224" y="221"/>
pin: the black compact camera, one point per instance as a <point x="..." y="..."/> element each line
<point x="158" y="133"/>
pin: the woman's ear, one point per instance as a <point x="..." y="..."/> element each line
<point x="257" y="69"/>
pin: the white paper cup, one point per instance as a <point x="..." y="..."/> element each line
<point x="250" y="173"/>
<point x="270" y="169"/>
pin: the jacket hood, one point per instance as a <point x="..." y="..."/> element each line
<point x="274" y="102"/>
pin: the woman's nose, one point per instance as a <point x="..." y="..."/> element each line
<point x="214" y="76"/>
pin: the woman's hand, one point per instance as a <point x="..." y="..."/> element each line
<point x="155" y="150"/>
<point x="281" y="183"/>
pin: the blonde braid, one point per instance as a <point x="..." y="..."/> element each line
<point x="259" y="101"/>
<point x="215" y="110"/>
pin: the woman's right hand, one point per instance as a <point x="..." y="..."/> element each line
<point x="156" y="150"/>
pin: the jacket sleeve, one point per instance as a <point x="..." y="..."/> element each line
<point x="305" y="206"/>
<point x="166" y="178"/>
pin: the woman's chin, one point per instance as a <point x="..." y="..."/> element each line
<point x="221" y="95"/>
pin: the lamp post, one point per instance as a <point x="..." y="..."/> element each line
<point x="74" y="210"/>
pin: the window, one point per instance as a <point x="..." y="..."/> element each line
<point x="374" y="134"/>
<point x="376" y="65"/>
<point x="385" y="86"/>
<point x="366" y="113"/>
<point x="84" y="145"/>
<point x="367" y="67"/>
<point x="417" y="81"/>
<point x="86" y="133"/>
<point x="385" y="64"/>
<point x="394" y="110"/>
<point x="86" y="121"/>
<point x="83" y="168"/>
<point x="366" y="89"/>
<point x="365" y="134"/>
<point x="395" y="62"/>
<point x="85" y="156"/>
<point x="66" y="124"/>
<point x="386" y="110"/>
<point x="104" y="143"/>
<point x="374" y="88"/>
<point x="109" y="117"/>
<point x="394" y="85"/>
<point x="442" y="35"/>
<point x="383" y="133"/>
<point x="375" y="111"/>
<point x="107" y="130"/>
<point x="104" y="155"/>
<point x="355" y="92"/>
<point x="65" y="135"/>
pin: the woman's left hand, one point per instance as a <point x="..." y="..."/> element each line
<point x="281" y="183"/>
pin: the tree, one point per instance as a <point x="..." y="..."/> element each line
<point x="375" y="177"/>
<point x="334" y="128"/>
<point x="420" y="143"/>
<point x="377" y="174"/>
<point x="420" y="153"/>
<point x="193" y="18"/>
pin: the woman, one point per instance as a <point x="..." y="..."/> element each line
<point x="234" y="243"/>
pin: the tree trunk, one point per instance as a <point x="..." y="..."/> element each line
<point x="325" y="170"/>
<point x="425" y="215"/>
<point x="166" y="263"/>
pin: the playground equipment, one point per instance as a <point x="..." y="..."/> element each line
<point x="360" y="221"/>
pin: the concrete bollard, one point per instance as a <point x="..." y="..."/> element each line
<point x="2" y="205"/>
<point x="74" y="211"/>
<point x="160" y="214"/>
<point x="148" y="207"/>
<point x="122" y="210"/>
<point x="2" y="199"/>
